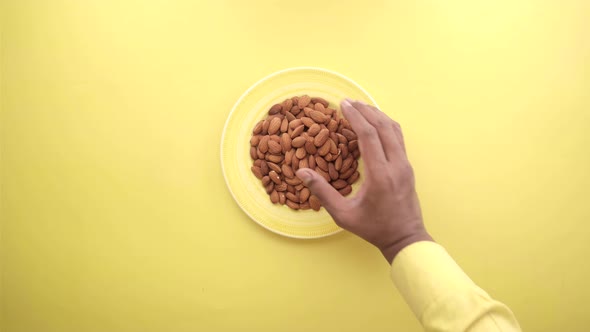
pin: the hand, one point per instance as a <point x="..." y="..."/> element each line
<point x="385" y="211"/>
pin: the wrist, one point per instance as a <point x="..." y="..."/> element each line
<point x="391" y="250"/>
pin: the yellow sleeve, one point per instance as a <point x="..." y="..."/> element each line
<point x="442" y="296"/>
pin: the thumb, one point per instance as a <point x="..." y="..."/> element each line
<point x="329" y="197"/>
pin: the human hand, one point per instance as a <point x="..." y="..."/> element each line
<point x="385" y="211"/>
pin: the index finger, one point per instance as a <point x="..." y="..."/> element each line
<point x="368" y="138"/>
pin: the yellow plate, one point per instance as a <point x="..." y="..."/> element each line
<point x="252" y="106"/>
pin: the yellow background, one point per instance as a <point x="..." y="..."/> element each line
<point x="115" y="215"/>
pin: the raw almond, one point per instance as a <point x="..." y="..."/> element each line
<point x="333" y="147"/>
<point x="285" y="142"/>
<point x="263" y="145"/>
<point x="323" y="173"/>
<point x="303" y="163"/>
<point x="265" y="125"/>
<point x="305" y="206"/>
<point x="324" y="149"/>
<point x="297" y="131"/>
<point x="308" y="122"/>
<point x="281" y="187"/>
<point x="282" y="198"/>
<point x="276" y="108"/>
<point x="353" y="146"/>
<point x="275" y="158"/>
<point x="292" y="205"/>
<point x="274" y="167"/>
<point x="287" y="171"/>
<point x="311" y="162"/>
<point x="339" y="184"/>
<point x="347" y="174"/>
<point x="265" y="180"/>
<point x="293" y="181"/>
<point x="320" y="100"/>
<point x="284" y="125"/>
<point x="314" y="202"/>
<point x="349" y="134"/>
<point x="304" y="195"/>
<point x="346" y="163"/>
<point x="274" y="197"/>
<point x="255" y="140"/>
<point x="258" y="128"/>
<point x="274" y="126"/>
<point x="264" y="167"/>
<point x="332" y="172"/>
<point x="287" y="104"/>
<point x="307" y="111"/>
<point x="256" y="171"/>
<point x="253" y="153"/>
<point x="289" y="156"/>
<point x="310" y="147"/>
<point x="332" y="125"/>
<point x="352" y="179"/>
<point x="303" y="101"/>
<point x="274" y="147"/>
<point x="317" y="116"/>
<point x="312" y="131"/>
<point x="295" y="123"/>
<point x="321" y="163"/>
<point x="345" y="191"/>
<point x="319" y="107"/>
<point x="274" y="177"/>
<point x="338" y="163"/>
<point x="321" y="137"/>
<point x="269" y="187"/>
<point x="298" y="142"/>
<point x="300" y="153"/>
<point x="292" y="197"/>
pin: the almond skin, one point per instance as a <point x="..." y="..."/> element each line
<point x="321" y="137"/>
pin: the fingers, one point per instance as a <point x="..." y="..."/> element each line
<point x="369" y="142"/>
<point x="329" y="197"/>
<point x="384" y="125"/>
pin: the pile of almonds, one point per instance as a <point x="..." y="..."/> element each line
<point x="303" y="132"/>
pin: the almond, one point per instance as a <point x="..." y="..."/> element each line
<point x="298" y="142"/>
<point x="339" y="184"/>
<point x="321" y="163"/>
<point x="275" y="158"/>
<point x="258" y="128"/>
<point x="305" y="206"/>
<point x="308" y="122"/>
<point x="307" y="111"/>
<point x="285" y="125"/>
<point x="265" y="125"/>
<point x="274" y="167"/>
<point x="295" y="110"/>
<point x="303" y="101"/>
<point x="312" y="131"/>
<point x="319" y="107"/>
<point x="353" y="146"/>
<point x="263" y="145"/>
<point x="276" y="108"/>
<point x="289" y="116"/>
<point x="291" y="189"/>
<point x="321" y="137"/>
<point x="274" y="177"/>
<point x="285" y="142"/>
<point x="311" y="162"/>
<point x="303" y="163"/>
<point x="292" y="205"/>
<point x="338" y="163"/>
<point x="356" y="154"/>
<point x="347" y="174"/>
<point x="304" y="195"/>
<point x="300" y="153"/>
<point x="343" y="150"/>
<point x="333" y="147"/>
<point x="274" y="197"/>
<point x="352" y="179"/>
<point x="253" y="153"/>
<point x="310" y="147"/>
<point x="341" y="139"/>
<point x="324" y="174"/>
<point x="332" y="125"/>
<point x="345" y="191"/>
<point x="320" y="100"/>
<point x="324" y="149"/>
<point x="293" y="181"/>
<point x="269" y="187"/>
<point x="256" y="171"/>
<point x="287" y="171"/>
<point x="295" y="123"/>
<point x="318" y="116"/>
<point x="255" y="140"/>
<point x="289" y="156"/>
<point x="297" y="131"/>
<point x="264" y="167"/>
<point x="349" y="134"/>
<point x="274" y="126"/>
<point x="314" y="202"/>
<point x="281" y="187"/>
<point x="265" y="180"/>
<point x="287" y="105"/>
<point x="332" y="172"/>
<point x="346" y="163"/>
<point x="274" y="147"/>
<point x="292" y="197"/>
<point x="282" y="198"/>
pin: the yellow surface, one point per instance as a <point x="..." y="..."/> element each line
<point x="252" y="107"/>
<point x="115" y="215"/>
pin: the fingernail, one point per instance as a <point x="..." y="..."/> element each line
<point x="305" y="175"/>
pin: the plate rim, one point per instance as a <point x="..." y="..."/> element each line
<point x="229" y="116"/>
